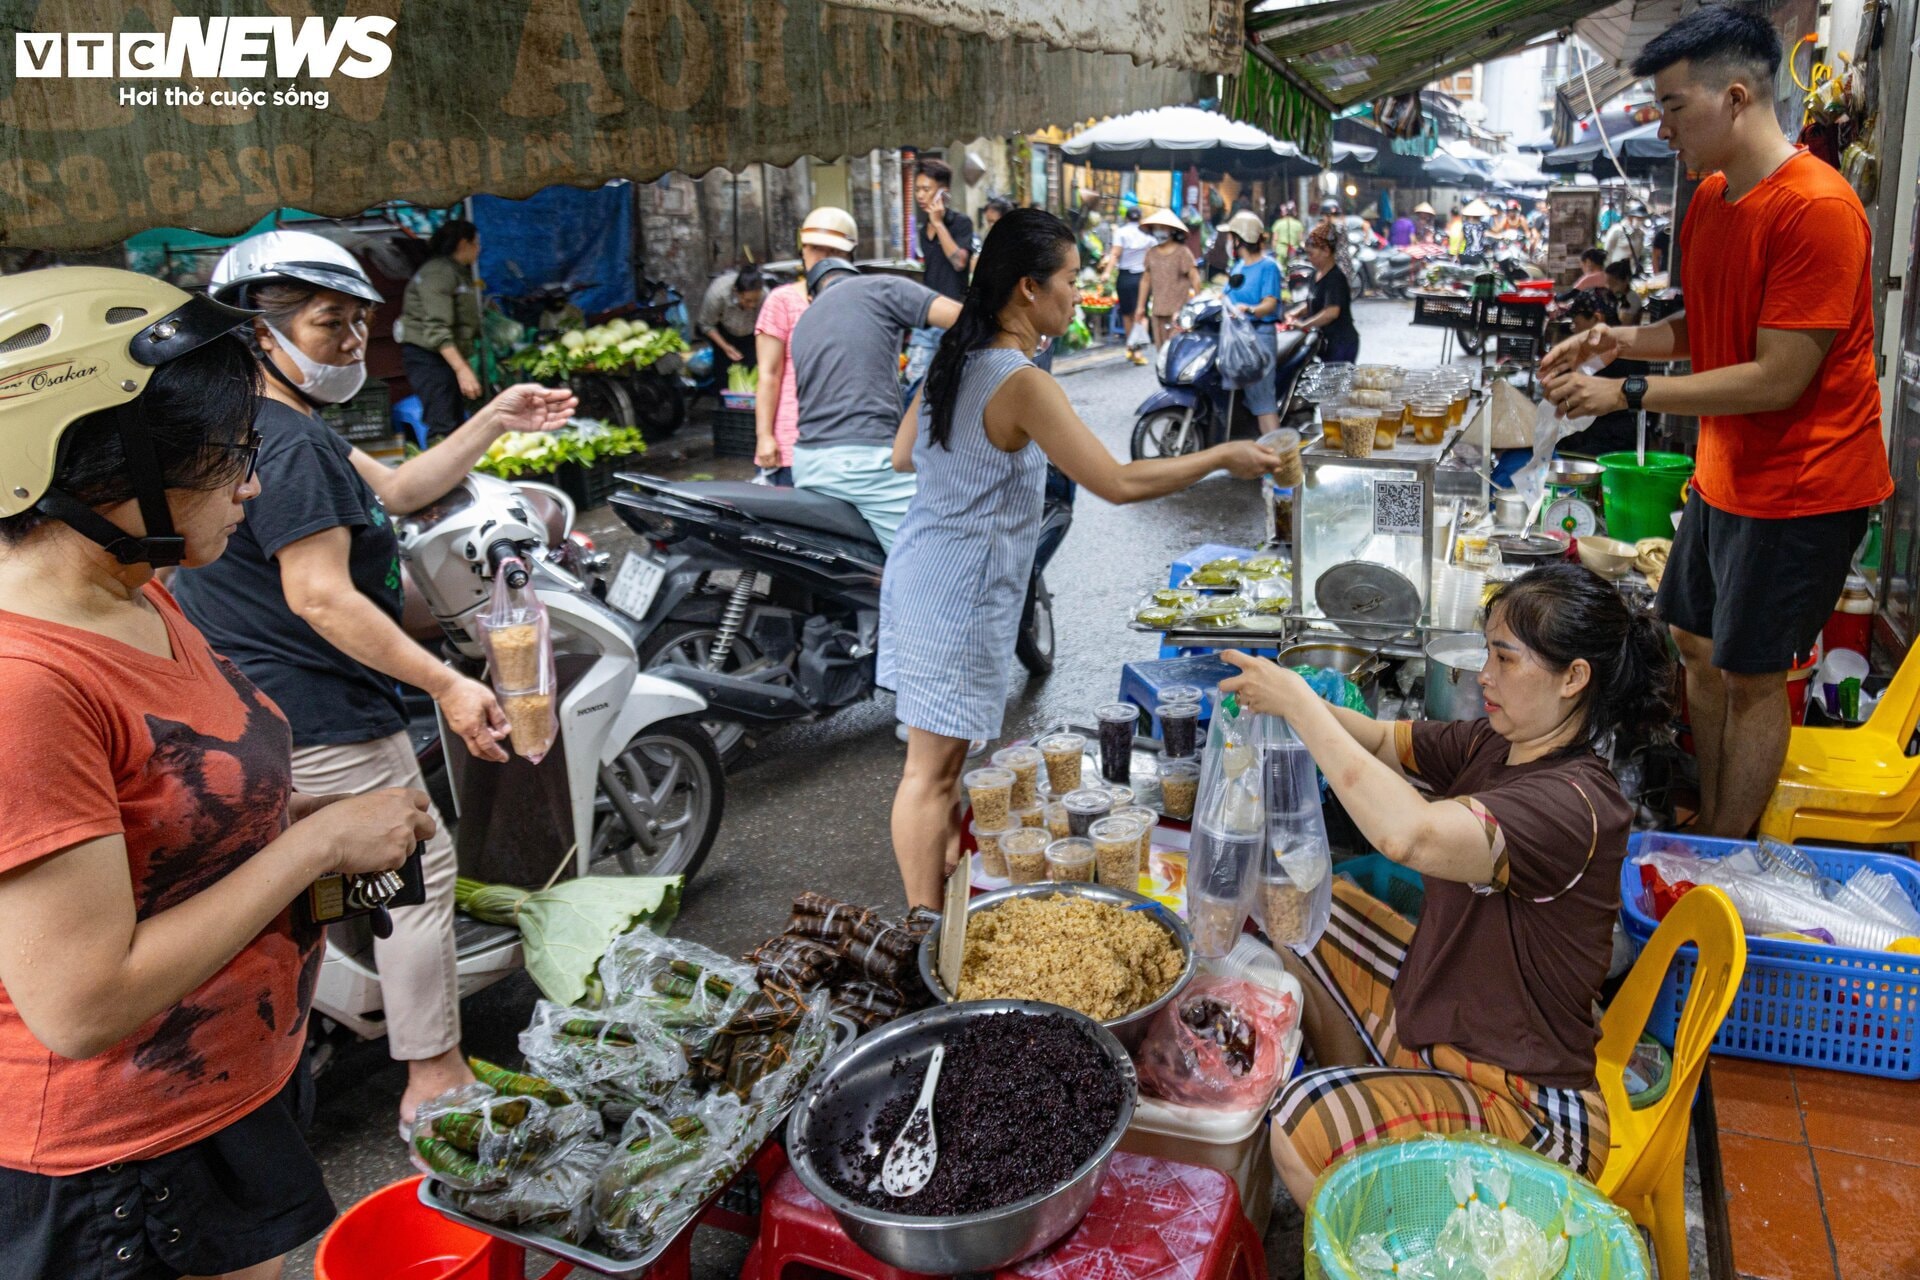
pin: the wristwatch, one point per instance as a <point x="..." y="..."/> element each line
<point x="1635" y="390"/>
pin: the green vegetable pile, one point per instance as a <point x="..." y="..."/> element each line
<point x="583" y="440"/>
<point x="614" y="347"/>
<point x="743" y="380"/>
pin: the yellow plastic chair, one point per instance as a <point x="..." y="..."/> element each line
<point x="1647" y="1149"/>
<point x="1854" y="785"/>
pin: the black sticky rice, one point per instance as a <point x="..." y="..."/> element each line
<point x="1023" y="1101"/>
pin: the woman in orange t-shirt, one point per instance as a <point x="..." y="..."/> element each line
<point x="154" y="979"/>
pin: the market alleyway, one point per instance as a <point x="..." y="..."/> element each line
<point x="808" y="808"/>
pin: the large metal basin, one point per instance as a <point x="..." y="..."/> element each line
<point x="1130" y="1030"/>
<point x="843" y="1097"/>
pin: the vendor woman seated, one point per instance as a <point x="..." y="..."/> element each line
<point x="1483" y="1016"/>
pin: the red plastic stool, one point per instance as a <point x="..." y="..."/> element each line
<point x="1153" y="1220"/>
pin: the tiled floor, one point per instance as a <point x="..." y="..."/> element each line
<point x="1822" y="1172"/>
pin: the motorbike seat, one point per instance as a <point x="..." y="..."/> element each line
<point x="1287" y="342"/>
<point x="784" y="506"/>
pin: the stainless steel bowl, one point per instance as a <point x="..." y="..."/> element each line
<point x="1130" y="1030"/>
<point x="841" y="1101"/>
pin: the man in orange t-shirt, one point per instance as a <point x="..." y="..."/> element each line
<point x="1774" y="260"/>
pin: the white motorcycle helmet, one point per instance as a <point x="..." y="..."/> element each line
<point x="289" y="255"/>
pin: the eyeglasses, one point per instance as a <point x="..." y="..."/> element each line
<point x="248" y="449"/>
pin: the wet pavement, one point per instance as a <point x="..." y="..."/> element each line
<point x="807" y="808"/>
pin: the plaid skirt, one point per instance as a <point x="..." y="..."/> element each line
<point x="1334" y="1112"/>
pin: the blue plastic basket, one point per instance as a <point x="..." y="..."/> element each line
<point x="1401" y="888"/>
<point x="1799" y="1002"/>
<point x="1399" y="1190"/>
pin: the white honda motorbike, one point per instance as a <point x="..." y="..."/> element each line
<point x="632" y="776"/>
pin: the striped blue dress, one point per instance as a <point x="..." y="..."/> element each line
<point x="956" y="579"/>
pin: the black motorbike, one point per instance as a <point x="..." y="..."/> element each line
<point x="766" y="600"/>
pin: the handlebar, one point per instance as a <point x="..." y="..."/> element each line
<point x="504" y="557"/>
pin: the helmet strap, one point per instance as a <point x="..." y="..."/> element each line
<point x="161" y="547"/>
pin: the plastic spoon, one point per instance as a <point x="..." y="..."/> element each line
<point x="910" y="1159"/>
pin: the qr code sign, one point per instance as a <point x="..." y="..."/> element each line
<point x="1397" y="506"/>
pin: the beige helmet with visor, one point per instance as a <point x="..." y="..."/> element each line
<point x="79" y="340"/>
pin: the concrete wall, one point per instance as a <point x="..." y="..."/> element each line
<point x="692" y="228"/>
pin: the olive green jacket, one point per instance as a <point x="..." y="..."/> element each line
<point x="442" y="305"/>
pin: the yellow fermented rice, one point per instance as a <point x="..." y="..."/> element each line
<point x="1097" y="958"/>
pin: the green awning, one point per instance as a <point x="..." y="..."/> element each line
<point x="1306" y="61"/>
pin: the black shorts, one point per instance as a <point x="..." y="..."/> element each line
<point x="246" y="1194"/>
<point x="1760" y="589"/>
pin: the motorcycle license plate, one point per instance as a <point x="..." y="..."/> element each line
<point x="635" y="586"/>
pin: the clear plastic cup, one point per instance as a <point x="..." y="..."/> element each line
<point x="1181" y="693"/>
<point x="1117" y="722"/>
<point x="1122" y="797"/>
<point x="1149" y="821"/>
<point x="1357" y="424"/>
<point x="1026" y="853"/>
<point x="1034" y="815"/>
<point x="1179" y="728"/>
<point x="1457" y="407"/>
<point x="1179" y="781"/>
<point x="1429" y="416"/>
<point x="1024" y="764"/>
<point x="1058" y="824"/>
<point x="1085" y="807"/>
<point x="990" y="792"/>
<point x="1063" y="753"/>
<point x="992" y="860"/>
<point x="1070" y="859"/>
<point x="1116" y="849"/>
<point x="1286" y="443"/>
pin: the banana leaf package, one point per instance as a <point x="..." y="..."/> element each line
<point x="603" y="1057"/>
<point x="795" y="960"/>
<point x="555" y="1199"/>
<point x="642" y="965"/>
<point x="565" y="930"/>
<point x="817" y="916"/>
<point x="479" y="1139"/>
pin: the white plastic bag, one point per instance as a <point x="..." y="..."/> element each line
<point x="1138" y="336"/>
<point x="520" y="661"/>
<point x="1229" y="826"/>
<point x="1296" y="880"/>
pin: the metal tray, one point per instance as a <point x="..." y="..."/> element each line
<point x="600" y="1263"/>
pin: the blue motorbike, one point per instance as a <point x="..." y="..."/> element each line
<point x="1194" y="409"/>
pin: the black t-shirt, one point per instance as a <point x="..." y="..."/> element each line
<point x="1332" y="290"/>
<point x="941" y="275"/>
<point x="307" y="485"/>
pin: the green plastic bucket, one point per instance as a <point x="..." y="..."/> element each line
<point x="1640" y="499"/>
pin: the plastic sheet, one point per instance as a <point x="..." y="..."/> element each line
<point x="1220" y="1045"/>
<point x="1776" y="890"/>
<point x="477" y="1139"/>
<point x="619" y="1055"/>
<point x="556" y="1199"/>
<point x="520" y="663"/>
<point x="645" y="965"/>
<point x="1229" y="828"/>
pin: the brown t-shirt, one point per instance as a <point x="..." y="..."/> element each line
<point x="1496" y="972"/>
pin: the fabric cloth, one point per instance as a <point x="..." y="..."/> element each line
<point x="1473" y="238"/>
<point x="863" y="475"/>
<point x="781" y="311"/>
<point x="939" y="274"/>
<point x="441" y="305"/>
<point x="1626" y="243"/>
<point x="1330" y="290"/>
<point x="1259" y="280"/>
<point x="922" y="345"/>
<point x="1793" y="253"/>
<point x="845" y="353"/>
<point x="1172" y="276"/>
<point x="307" y="486"/>
<point x="1128" y="287"/>
<point x="419" y="986"/>
<point x="721" y="309"/>
<point x="1288" y="235"/>
<point x="1131" y="244"/>
<point x="242" y="1195"/>
<point x="1591" y="280"/>
<point x="1331" y="1113"/>
<point x="1509" y="973"/>
<point x="1626" y="306"/>
<point x="186" y="761"/>
<point x="1264" y="395"/>
<point x="1609" y="219"/>
<point x="442" y="407"/>
<point x="956" y="580"/>
<point x="1402" y="233"/>
<point x="1760" y="589"/>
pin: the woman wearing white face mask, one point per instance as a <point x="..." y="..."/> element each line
<point x="307" y="599"/>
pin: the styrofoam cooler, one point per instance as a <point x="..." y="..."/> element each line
<point x="1234" y="1142"/>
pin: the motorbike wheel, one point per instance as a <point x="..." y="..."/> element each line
<point x="1034" y="647"/>
<point x="690" y="644"/>
<point x="673" y="780"/>
<point x="603" y="398"/>
<point x="659" y="406"/>
<point x="1165" y="433"/>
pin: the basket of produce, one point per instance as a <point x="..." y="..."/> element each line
<point x="1104" y="952"/>
<point x="1466" y="1204"/>
<point x="633" y="1112"/>
<point x="542" y="455"/>
<point x="618" y="346"/>
<point x="1029" y="1106"/>
<point x="1097" y="305"/>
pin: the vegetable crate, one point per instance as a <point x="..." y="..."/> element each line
<point x="592" y="484"/>
<point x="1799" y="1002"/>
<point x="733" y="433"/>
